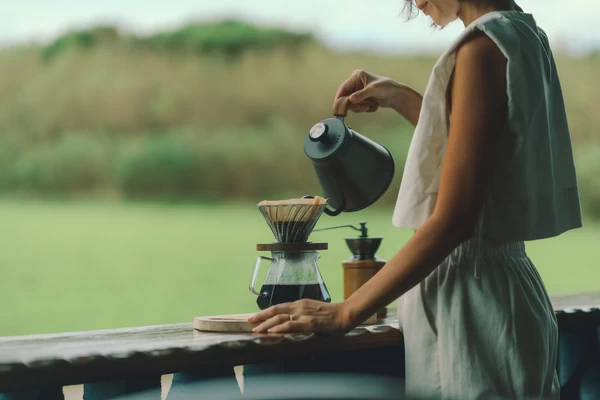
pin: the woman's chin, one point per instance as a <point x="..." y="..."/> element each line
<point x="438" y="22"/>
<point x="436" y="19"/>
<point x="441" y="21"/>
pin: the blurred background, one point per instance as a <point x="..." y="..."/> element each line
<point x="136" y="138"/>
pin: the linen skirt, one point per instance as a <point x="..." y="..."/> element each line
<point x="481" y="325"/>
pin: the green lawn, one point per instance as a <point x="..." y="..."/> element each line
<point x="77" y="266"/>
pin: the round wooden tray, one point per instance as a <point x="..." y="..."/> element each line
<point x="305" y="246"/>
<point x="225" y="323"/>
<point x="239" y="322"/>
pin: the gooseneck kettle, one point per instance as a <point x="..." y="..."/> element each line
<point x="353" y="170"/>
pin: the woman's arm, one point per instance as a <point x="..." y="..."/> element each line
<point x="386" y="92"/>
<point x="478" y="115"/>
<point x="408" y="104"/>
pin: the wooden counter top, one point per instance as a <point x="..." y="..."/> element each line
<point x="72" y="358"/>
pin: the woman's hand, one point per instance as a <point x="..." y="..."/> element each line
<point x="362" y="85"/>
<point x="384" y="91"/>
<point x="306" y="316"/>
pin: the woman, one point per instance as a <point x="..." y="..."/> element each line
<point x="489" y="167"/>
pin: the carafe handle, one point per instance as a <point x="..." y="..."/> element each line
<point x="255" y="273"/>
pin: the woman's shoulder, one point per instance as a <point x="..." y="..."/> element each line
<point x="512" y="31"/>
<point x="504" y="20"/>
<point x="477" y="46"/>
<point x="480" y="55"/>
<point x="505" y="28"/>
<point x="477" y="32"/>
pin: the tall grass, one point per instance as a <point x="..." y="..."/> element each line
<point x="126" y="118"/>
<point x="139" y="90"/>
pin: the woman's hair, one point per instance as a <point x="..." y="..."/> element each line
<point x="410" y="9"/>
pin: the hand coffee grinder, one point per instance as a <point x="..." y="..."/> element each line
<point x="363" y="264"/>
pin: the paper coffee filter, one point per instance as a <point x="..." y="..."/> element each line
<point x="292" y="220"/>
<point x="291" y="209"/>
<point x="315" y="201"/>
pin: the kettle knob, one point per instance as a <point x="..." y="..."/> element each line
<point x="318" y="132"/>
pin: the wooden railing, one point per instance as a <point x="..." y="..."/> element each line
<point x="82" y="357"/>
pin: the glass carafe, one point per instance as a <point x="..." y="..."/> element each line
<point x="291" y="276"/>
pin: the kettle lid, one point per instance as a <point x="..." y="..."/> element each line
<point x="325" y="139"/>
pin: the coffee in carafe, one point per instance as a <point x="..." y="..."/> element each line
<point x="292" y="276"/>
<point x="278" y="294"/>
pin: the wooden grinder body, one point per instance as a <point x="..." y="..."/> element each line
<point x="357" y="272"/>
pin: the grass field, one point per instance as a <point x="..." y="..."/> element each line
<point x="77" y="266"/>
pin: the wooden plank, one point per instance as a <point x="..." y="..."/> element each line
<point x="576" y="301"/>
<point x="71" y="358"/>
<point x="577" y="309"/>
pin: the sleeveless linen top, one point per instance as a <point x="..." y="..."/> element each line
<point x="533" y="192"/>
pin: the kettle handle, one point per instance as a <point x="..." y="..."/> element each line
<point x="333" y="213"/>
<point x="340" y="108"/>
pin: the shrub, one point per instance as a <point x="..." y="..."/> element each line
<point x="72" y="163"/>
<point x="81" y="40"/>
<point x="225" y="164"/>
<point x="160" y="166"/>
<point x="229" y="38"/>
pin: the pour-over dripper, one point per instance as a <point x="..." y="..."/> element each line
<point x="292" y="221"/>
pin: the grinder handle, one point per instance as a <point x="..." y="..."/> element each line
<point x="340" y="108"/>
<point x="255" y="273"/>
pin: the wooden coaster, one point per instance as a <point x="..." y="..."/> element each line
<point x="224" y="323"/>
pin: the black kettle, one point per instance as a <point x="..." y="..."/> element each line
<point x="353" y="171"/>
